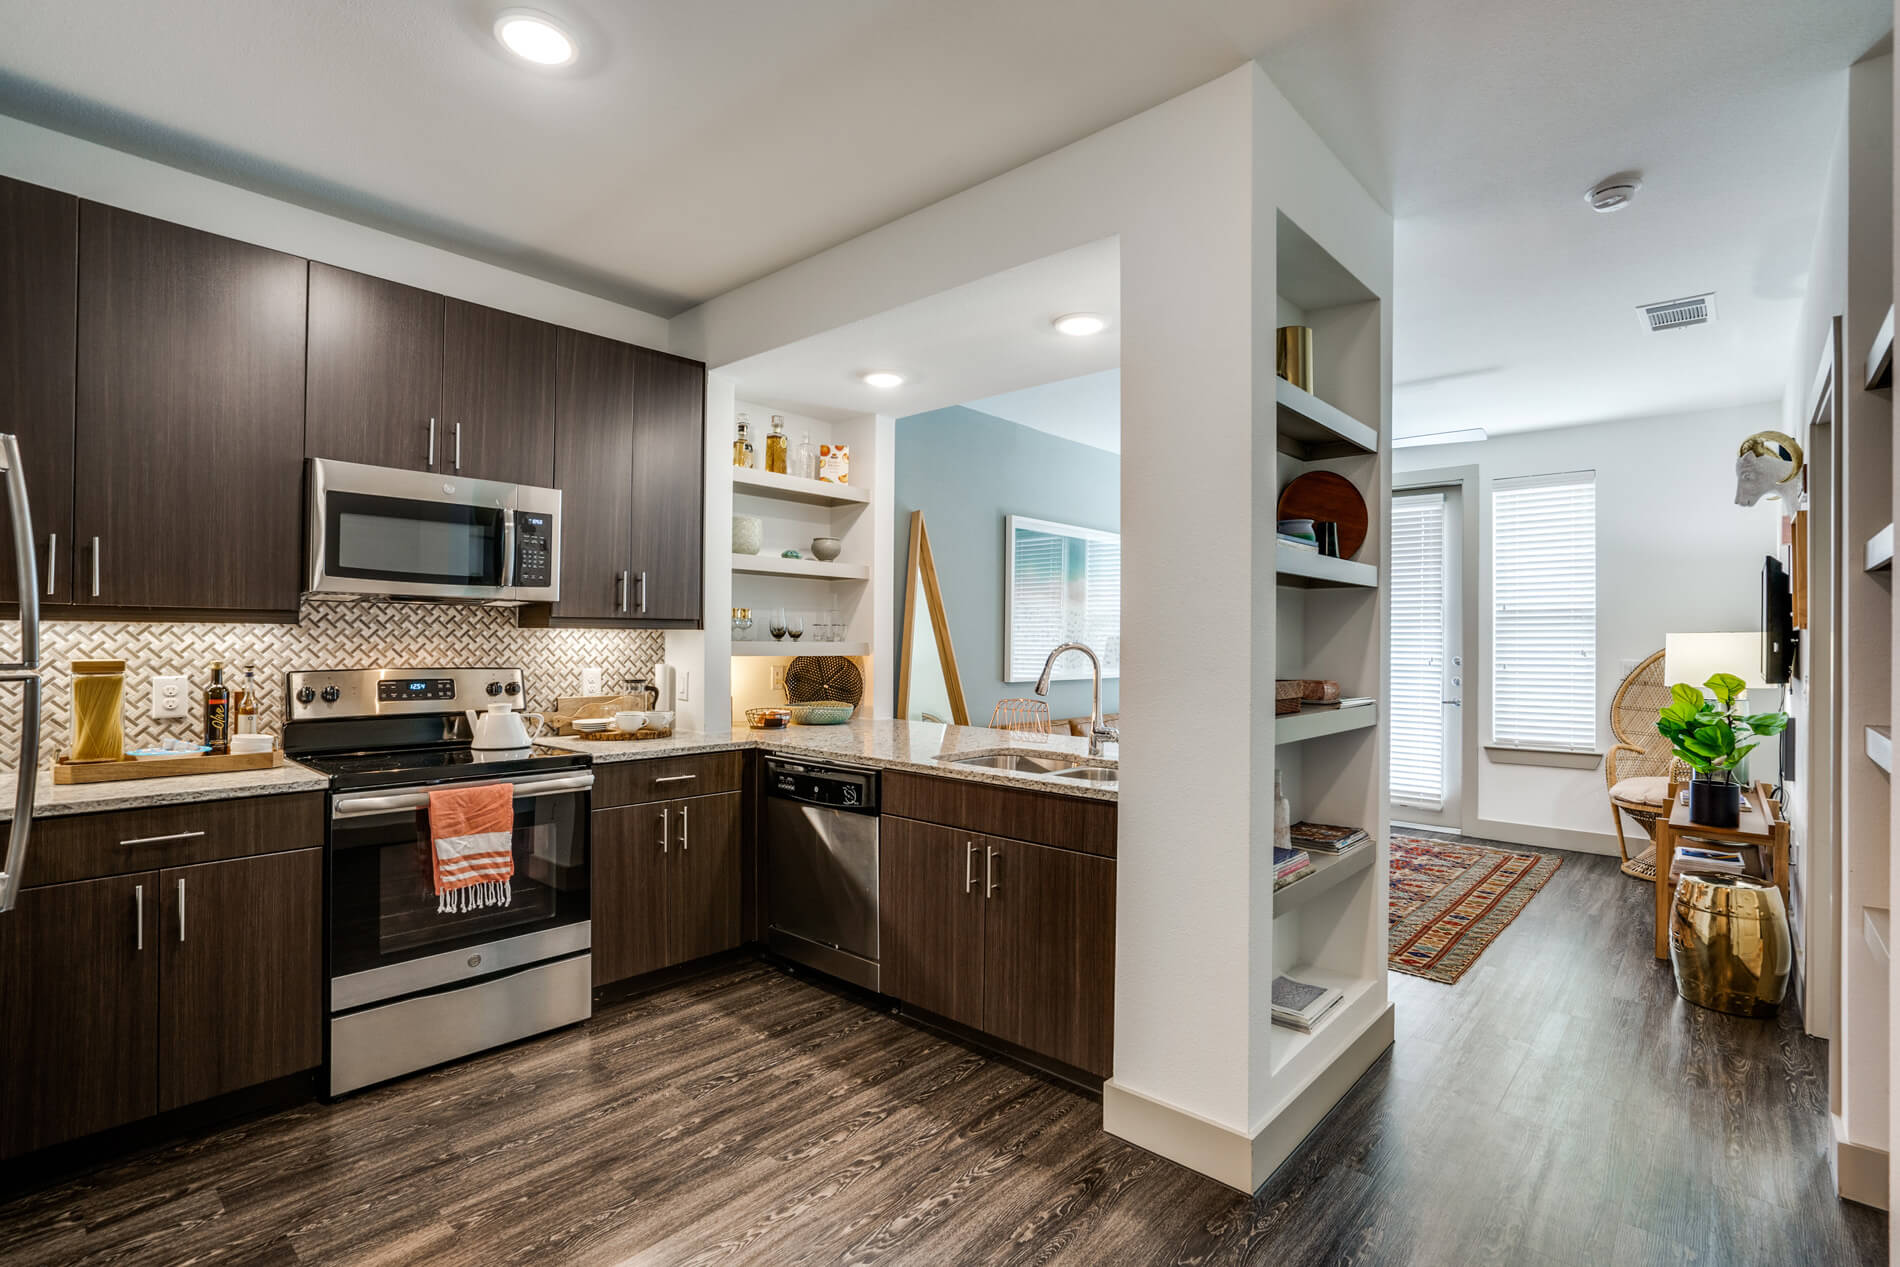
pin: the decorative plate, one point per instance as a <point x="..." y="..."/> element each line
<point x="1322" y="496"/>
<point x="814" y="679"/>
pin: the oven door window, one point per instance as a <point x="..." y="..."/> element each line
<point x="417" y="542"/>
<point x="383" y="900"/>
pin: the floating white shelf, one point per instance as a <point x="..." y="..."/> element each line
<point x="1315" y="722"/>
<point x="791" y="488"/>
<point x="1328" y="871"/>
<point x="814" y="569"/>
<point x="1878" y="554"/>
<point x="1880" y="747"/>
<point x="801" y="647"/>
<point x="1308" y="570"/>
<point x="1876" y="925"/>
<point x="1310" y="428"/>
<point x="1288" y="1047"/>
<point x="1880" y="355"/>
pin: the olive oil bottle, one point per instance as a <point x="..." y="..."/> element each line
<point x="218" y="712"/>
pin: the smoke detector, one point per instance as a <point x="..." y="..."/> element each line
<point x="1613" y="193"/>
<point x="1676" y="314"/>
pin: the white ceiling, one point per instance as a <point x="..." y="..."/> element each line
<point x="1087" y="410"/>
<point x="701" y="145"/>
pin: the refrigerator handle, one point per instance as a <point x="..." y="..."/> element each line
<point x="25" y="672"/>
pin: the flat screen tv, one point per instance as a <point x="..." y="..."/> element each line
<point x="1778" y="636"/>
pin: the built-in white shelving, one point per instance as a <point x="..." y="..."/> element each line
<point x="1878" y="553"/>
<point x="1310" y="429"/>
<point x="1308" y="569"/>
<point x="793" y="489"/>
<point x="1880" y="747"/>
<point x="816" y="569"/>
<point x="789" y="648"/>
<point x="1880" y="355"/>
<point x="1328" y="871"/>
<point x="1877" y="927"/>
<point x="1313" y="723"/>
<point x="1295" y="1054"/>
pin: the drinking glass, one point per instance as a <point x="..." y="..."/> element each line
<point x="795" y="627"/>
<point x="776" y="623"/>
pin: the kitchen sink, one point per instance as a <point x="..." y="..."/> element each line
<point x="1090" y="774"/>
<point x="1038" y="763"/>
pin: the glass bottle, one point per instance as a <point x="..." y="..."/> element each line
<point x="245" y="709"/>
<point x="775" y="446"/>
<point x="218" y="712"/>
<point x="742" y="447"/>
<point x="805" y="459"/>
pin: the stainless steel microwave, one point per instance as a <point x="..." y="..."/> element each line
<point x="373" y="531"/>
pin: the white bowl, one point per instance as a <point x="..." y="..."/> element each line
<point x="253" y="743"/>
<point x="630" y="722"/>
<point x="588" y="725"/>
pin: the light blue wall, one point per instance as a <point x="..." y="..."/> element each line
<point x="966" y="471"/>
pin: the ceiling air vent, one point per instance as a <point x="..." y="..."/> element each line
<point x="1675" y="314"/>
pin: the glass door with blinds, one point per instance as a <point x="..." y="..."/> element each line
<point x="1426" y="706"/>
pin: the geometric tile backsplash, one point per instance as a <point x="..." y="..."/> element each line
<point x="328" y="635"/>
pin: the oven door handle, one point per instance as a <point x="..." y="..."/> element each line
<point x="388" y="802"/>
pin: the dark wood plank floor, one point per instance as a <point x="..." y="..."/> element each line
<point x="1557" y="1105"/>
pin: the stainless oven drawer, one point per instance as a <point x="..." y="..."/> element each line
<point x="410" y="976"/>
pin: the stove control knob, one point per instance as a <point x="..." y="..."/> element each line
<point x="514" y="688"/>
<point x="494" y="688"/>
<point x="331" y="694"/>
<point x="305" y="695"/>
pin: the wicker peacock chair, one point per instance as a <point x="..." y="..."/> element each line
<point x="1637" y="769"/>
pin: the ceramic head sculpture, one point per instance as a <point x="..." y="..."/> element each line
<point x="1765" y="466"/>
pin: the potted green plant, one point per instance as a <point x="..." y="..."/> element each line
<point x="1711" y="737"/>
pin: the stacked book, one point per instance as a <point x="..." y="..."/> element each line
<point x="1716" y="860"/>
<point x="1298" y="1005"/>
<point x="1288" y="866"/>
<point x="1320" y="838"/>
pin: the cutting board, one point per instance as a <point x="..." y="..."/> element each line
<point x="1321" y="495"/>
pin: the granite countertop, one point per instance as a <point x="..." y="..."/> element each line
<point x="54" y="799"/>
<point x="919" y="747"/>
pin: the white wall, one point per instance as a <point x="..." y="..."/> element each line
<point x="1674" y="554"/>
<point x="41" y="156"/>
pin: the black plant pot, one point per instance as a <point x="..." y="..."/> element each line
<point x="1714" y="803"/>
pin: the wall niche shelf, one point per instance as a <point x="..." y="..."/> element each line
<point x="791" y="488"/>
<point x="1880" y="747"/>
<point x="1880" y="355"/>
<point x="1327" y="873"/>
<point x="1305" y="569"/>
<point x="813" y="569"/>
<point x="1878" y="553"/>
<point x="1315" y="723"/>
<point x="801" y="647"/>
<point x="1310" y="429"/>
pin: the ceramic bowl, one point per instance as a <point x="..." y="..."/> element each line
<point x="662" y="720"/>
<point x="821" y="713"/>
<point x="630" y="722"/>
<point x="826" y="548"/>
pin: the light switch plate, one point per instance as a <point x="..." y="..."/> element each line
<point x="171" y="696"/>
<point x="590" y="680"/>
<point x="683" y="686"/>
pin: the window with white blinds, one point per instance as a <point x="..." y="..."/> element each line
<point x="1416" y="710"/>
<point x="1544" y="612"/>
<point x="1064" y="585"/>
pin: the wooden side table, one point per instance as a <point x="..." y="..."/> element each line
<point x="1761" y="825"/>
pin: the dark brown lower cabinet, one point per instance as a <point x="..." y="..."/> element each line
<point x="1011" y="938"/>
<point x="666" y="884"/>
<point x="79" y="991"/>
<point x="242" y="985"/>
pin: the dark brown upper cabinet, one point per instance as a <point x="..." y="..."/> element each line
<point x="497" y="395"/>
<point x="595" y="400"/>
<point x="39" y="298"/>
<point x="188" y="449"/>
<point x="374" y="391"/>
<point x="669" y="467"/>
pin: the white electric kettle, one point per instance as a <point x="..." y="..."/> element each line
<point x="500" y="727"/>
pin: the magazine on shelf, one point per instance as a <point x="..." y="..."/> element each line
<point x="1744" y="860"/>
<point x="1322" y="838"/>
<point x="1300" y="1004"/>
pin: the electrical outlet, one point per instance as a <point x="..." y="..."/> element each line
<point x="590" y="681"/>
<point x="171" y="696"/>
<point x="778" y="678"/>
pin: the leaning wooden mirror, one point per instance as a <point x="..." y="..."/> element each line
<point x="928" y="688"/>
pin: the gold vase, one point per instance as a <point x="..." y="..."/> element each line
<point x="1293" y="355"/>
<point x="1730" y="945"/>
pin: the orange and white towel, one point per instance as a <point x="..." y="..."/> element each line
<point x="472" y="832"/>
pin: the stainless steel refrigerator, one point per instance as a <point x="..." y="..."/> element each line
<point x="25" y="671"/>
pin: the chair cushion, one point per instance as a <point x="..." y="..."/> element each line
<point x="1645" y="789"/>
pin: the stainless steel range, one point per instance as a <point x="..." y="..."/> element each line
<point x="412" y="985"/>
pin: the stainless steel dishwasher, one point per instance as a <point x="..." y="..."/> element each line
<point x="820" y="846"/>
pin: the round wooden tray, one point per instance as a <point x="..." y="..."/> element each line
<point x="620" y="736"/>
<point x="1322" y="495"/>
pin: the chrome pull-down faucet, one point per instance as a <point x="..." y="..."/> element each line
<point x="1098" y="733"/>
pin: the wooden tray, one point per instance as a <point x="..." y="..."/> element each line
<point x="1322" y="495"/>
<point x="162" y="767"/>
<point x="618" y="736"/>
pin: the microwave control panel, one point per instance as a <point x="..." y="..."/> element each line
<point x="534" y="548"/>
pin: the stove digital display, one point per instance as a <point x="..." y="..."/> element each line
<point x="415" y="688"/>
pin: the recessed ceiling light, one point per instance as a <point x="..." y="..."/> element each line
<point x="1081" y="324"/>
<point x="533" y="37"/>
<point x="1613" y="193"/>
<point x="1468" y="435"/>
<point x="883" y="378"/>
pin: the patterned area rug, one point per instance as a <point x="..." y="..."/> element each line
<point x="1450" y="900"/>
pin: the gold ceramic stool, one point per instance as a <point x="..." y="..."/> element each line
<point x="1729" y="942"/>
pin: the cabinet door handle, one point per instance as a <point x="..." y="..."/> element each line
<point x="684" y="843"/>
<point x="458" y="448"/>
<point x="969" y="865"/>
<point x="52" y="561"/>
<point x="643" y="593"/>
<point x="620" y="592"/>
<point x="432" y="444"/>
<point x="989" y="872"/>
<point x="181" y="908"/>
<point x="676" y="778"/>
<point x="666" y="815"/>
<point x="95" y="567"/>
<point x="161" y="840"/>
<point x="138" y="914"/>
